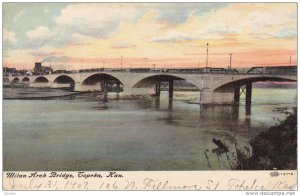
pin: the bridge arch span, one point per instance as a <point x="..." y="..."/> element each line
<point x="150" y="81"/>
<point x="15" y="80"/>
<point x="232" y="85"/>
<point x="63" y="79"/>
<point x="100" y="82"/>
<point x="98" y="77"/>
<point x="41" y="79"/>
<point x="25" y="79"/>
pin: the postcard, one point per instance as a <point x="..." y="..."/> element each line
<point x="150" y="96"/>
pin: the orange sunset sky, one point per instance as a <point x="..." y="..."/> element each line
<point x="74" y="35"/>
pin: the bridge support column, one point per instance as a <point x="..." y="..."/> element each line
<point x="72" y="86"/>
<point x="207" y="97"/>
<point x="104" y="86"/>
<point x="237" y="95"/>
<point x="171" y="89"/>
<point x="157" y="89"/>
<point x="137" y="91"/>
<point x="248" y="93"/>
<point x="104" y="89"/>
<point x="118" y="87"/>
<point x="83" y="87"/>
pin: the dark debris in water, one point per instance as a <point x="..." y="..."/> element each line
<point x="101" y="107"/>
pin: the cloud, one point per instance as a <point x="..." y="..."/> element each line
<point x="65" y="37"/>
<point x="43" y="53"/>
<point x="221" y="29"/>
<point x="18" y="15"/>
<point x="81" y="21"/>
<point x="276" y="16"/>
<point x="56" y="37"/>
<point x="9" y="36"/>
<point x="123" y="46"/>
<point x="176" y="13"/>
<point x="61" y="59"/>
<point x="284" y="33"/>
<point x="40" y="33"/>
<point x="174" y="37"/>
<point x="96" y="20"/>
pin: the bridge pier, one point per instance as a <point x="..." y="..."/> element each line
<point x="248" y="93"/>
<point x="171" y="89"/>
<point x="237" y="95"/>
<point x="208" y="97"/>
<point x="104" y="89"/>
<point x="118" y="87"/>
<point x="137" y="91"/>
<point x="157" y="89"/>
<point x="85" y="87"/>
<point x="104" y="86"/>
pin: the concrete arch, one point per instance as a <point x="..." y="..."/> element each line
<point x="41" y="79"/>
<point x="26" y="79"/>
<point x="98" y="77"/>
<point x="230" y="86"/>
<point x="63" y="79"/>
<point x="150" y="81"/>
<point x="15" y="80"/>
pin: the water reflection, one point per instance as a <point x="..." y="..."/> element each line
<point x="248" y="116"/>
<point x="157" y="103"/>
<point x="248" y="109"/>
<point x="118" y="96"/>
<point x="170" y="107"/>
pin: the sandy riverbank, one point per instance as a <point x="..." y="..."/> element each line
<point x="35" y="93"/>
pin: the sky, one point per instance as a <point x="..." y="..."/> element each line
<point x="163" y="35"/>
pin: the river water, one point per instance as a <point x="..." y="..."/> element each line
<point x="144" y="134"/>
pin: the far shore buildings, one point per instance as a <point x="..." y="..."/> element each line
<point x="39" y="69"/>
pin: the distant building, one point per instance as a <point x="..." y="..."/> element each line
<point x="60" y="71"/>
<point x="39" y="69"/>
<point x="8" y="71"/>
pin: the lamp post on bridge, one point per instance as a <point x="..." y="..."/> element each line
<point x="230" y="57"/>
<point x="145" y="62"/>
<point x="206" y="55"/>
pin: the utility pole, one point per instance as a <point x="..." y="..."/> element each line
<point x="145" y="62"/>
<point x="81" y="50"/>
<point x="206" y="55"/>
<point x="290" y="60"/>
<point x="230" y="55"/>
<point x="121" y="62"/>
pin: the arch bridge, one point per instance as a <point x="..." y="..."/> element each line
<point x="216" y="85"/>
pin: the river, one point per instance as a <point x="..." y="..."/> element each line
<point x="143" y="134"/>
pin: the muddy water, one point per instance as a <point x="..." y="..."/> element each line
<point x="143" y="134"/>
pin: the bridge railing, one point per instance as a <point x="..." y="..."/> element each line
<point x="276" y="70"/>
